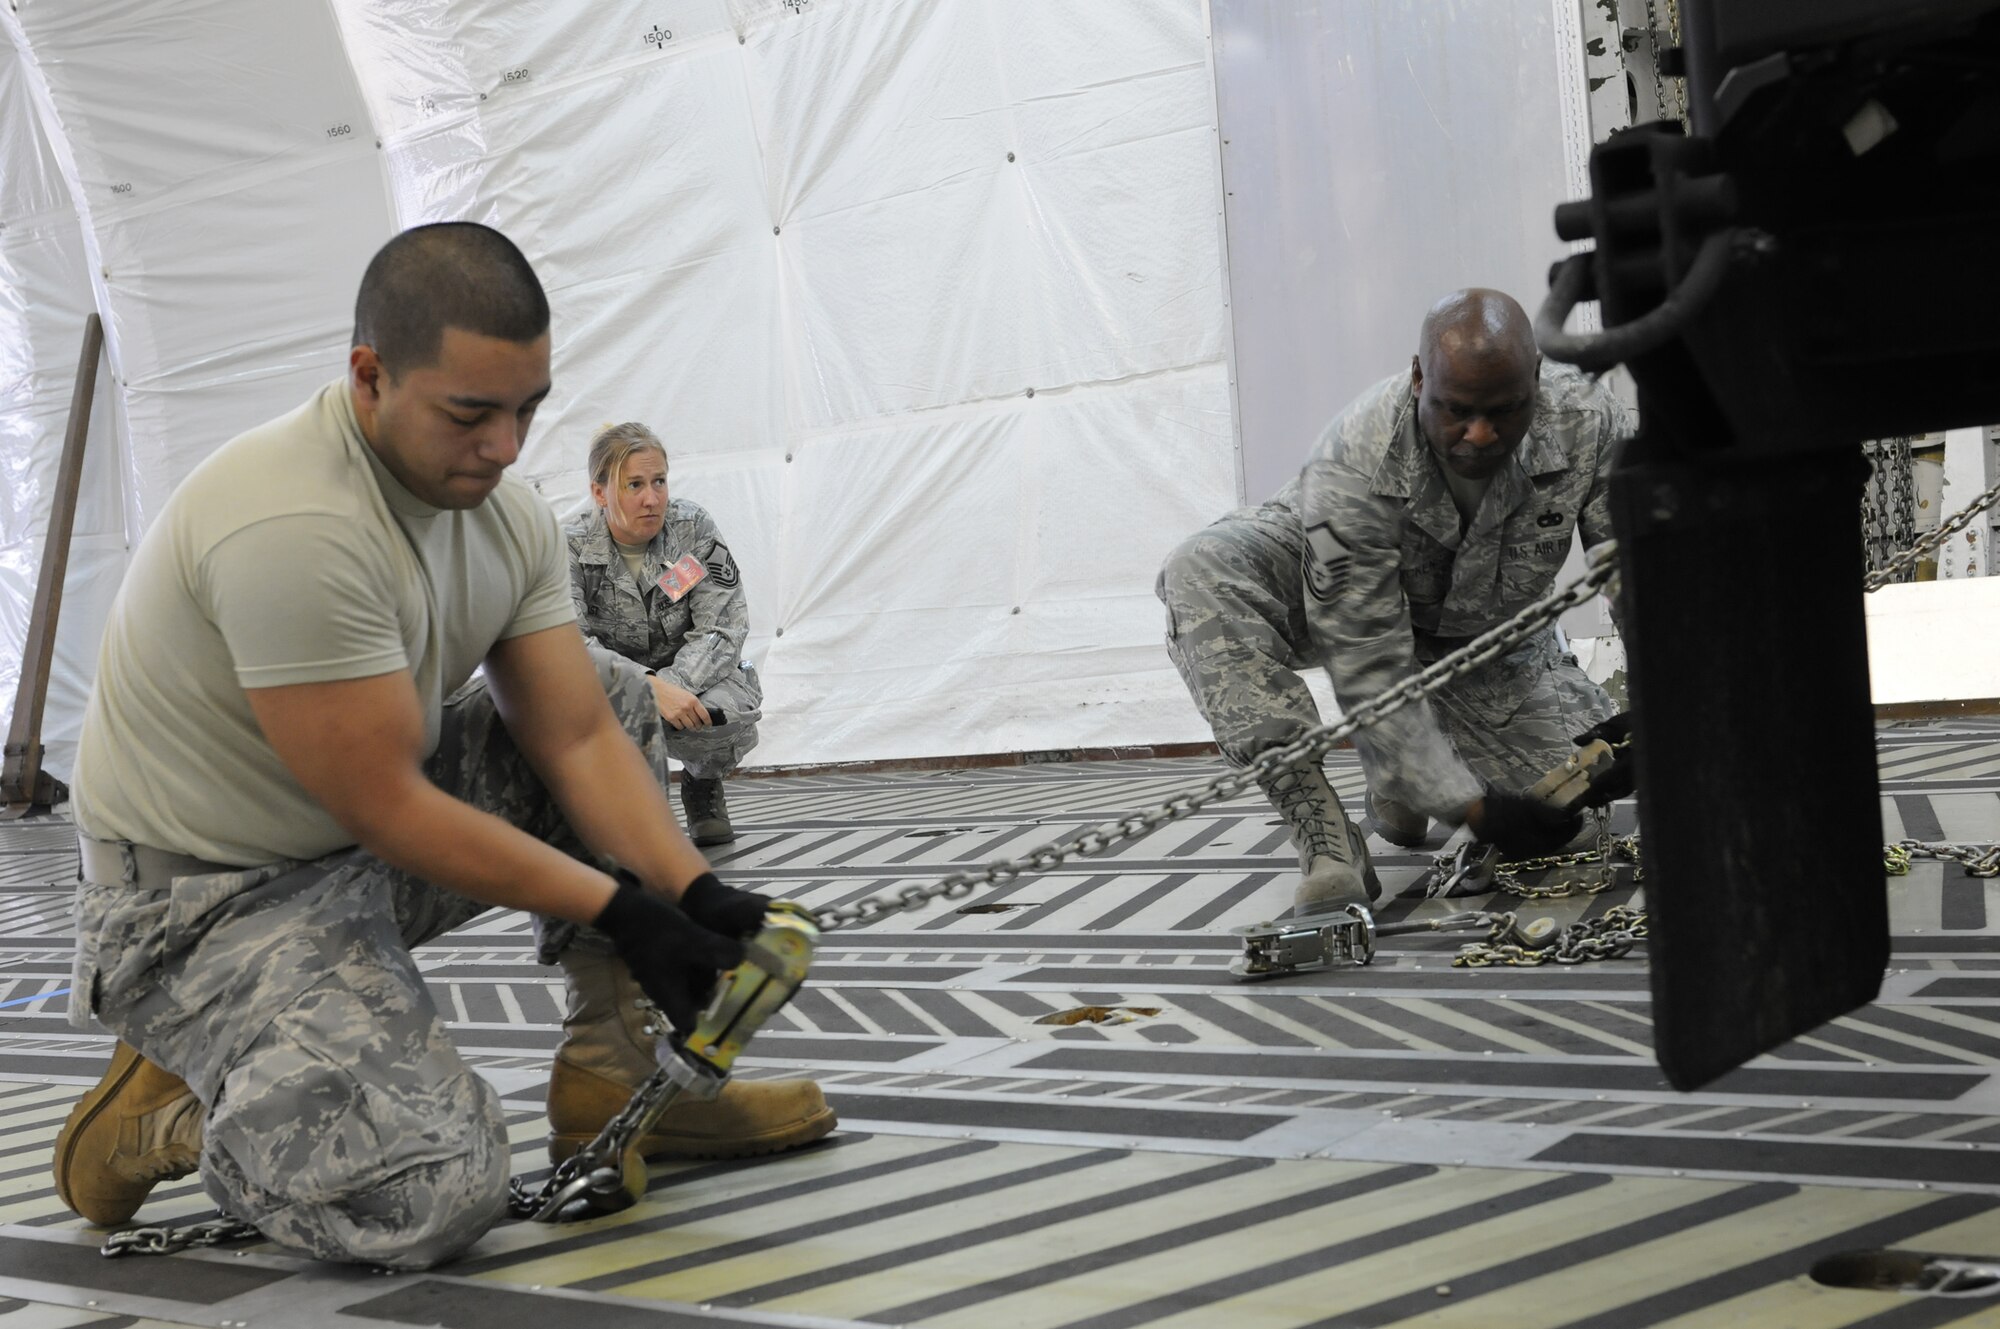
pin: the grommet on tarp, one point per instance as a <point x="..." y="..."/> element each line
<point x="1031" y="392"/>
<point x="1015" y="610"/>
<point x="781" y="632"/>
<point x="774" y="230"/>
<point x="1010" y="156"/>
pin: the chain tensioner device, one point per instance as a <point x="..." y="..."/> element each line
<point x="608" y="1175"/>
<point x="1348" y="935"/>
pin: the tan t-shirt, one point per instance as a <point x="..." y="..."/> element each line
<point x="291" y="556"/>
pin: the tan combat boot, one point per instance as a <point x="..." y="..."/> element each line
<point x="1334" y="870"/>
<point x="1397" y="824"/>
<point x="606" y="1054"/>
<point x="138" y="1127"/>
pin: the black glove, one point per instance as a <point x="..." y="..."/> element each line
<point x="1524" y="826"/>
<point x="675" y="960"/>
<point x="723" y="909"/>
<point x="1623" y="777"/>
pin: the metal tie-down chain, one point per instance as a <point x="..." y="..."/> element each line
<point x="1611" y="935"/>
<point x="218" y="1231"/>
<point x="1979" y="860"/>
<point x="1896" y="565"/>
<point x="1309" y="747"/>
<point x="1316" y="743"/>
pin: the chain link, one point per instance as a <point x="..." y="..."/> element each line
<point x="1980" y="860"/>
<point x="1311" y="746"/>
<point x="1897" y="564"/>
<point x="1610" y="936"/>
<point x="1609" y="851"/>
<point x="218" y="1231"/>
<point x="1308" y="748"/>
<point x="1888" y="503"/>
<point x="1659" y="37"/>
<point x="606" y="1150"/>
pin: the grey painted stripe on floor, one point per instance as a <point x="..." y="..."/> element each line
<point x="29" y="1063"/>
<point x="866" y="846"/>
<point x="1922" y="1313"/>
<point x="816" y="1009"/>
<point x="198" y="1282"/>
<point x="1235" y="1284"/>
<point x="1090" y="1262"/>
<point x="1701" y="1293"/>
<point x="807" y="1047"/>
<point x="890" y="1017"/>
<point x="1782" y="1082"/>
<point x="874" y="1213"/>
<point x="985" y="895"/>
<point x="1963" y="902"/>
<point x="862" y="1175"/>
<point x="1058" y="900"/>
<point x="456" y="1305"/>
<point x="1152" y="895"/>
<point x="1910" y="1020"/>
<point x="1920" y="819"/>
<point x="1629" y="981"/>
<point x="1599" y="1245"/>
<point x="1776" y="1157"/>
<point x="1033" y="1115"/>
<point x="969" y="941"/>
<point x="958" y="1241"/>
<point x="1227" y="902"/>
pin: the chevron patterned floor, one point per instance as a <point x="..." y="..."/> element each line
<point x="1403" y="1144"/>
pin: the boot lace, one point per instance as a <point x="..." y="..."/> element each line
<point x="701" y="797"/>
<point x="167" y="1163"/>
<point x="1292" y="790"/>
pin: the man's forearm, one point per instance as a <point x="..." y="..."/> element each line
<point x="452" y="844"/>
<point x="616" y="805"/>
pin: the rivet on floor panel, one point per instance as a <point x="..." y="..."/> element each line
<point x="1444" y="1289"/>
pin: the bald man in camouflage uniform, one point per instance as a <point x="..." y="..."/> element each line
<point x="1436" y="506"/>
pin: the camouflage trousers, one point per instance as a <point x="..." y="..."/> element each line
<point x="711" y="753"/>
<point x="1236" y="629"/>
<point x="340" y="1118"/>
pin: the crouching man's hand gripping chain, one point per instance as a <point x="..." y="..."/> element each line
<point x="607" y="1174"/>
<point x="1597" y="774"/>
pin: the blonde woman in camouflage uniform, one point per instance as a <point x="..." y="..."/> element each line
<point x="653" y="582"/>
<point x="1440" y="503"/>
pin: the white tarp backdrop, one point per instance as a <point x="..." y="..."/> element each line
<point x="45" y="296"/>
<point x="925" y="296"/>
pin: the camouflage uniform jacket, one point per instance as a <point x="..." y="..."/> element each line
<point x="693" y="643"/>
<point x="1391" y="580"/>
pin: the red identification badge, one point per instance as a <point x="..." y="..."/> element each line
<point x="679" y="579"/>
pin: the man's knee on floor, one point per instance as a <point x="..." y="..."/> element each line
<point x="420" y="1215"/>
<point x="370" y="1150"/>
<point x="429" y="1213"/>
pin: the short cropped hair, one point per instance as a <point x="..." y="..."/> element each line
<point x="446" y="275"/>
<point x="614" y="444"/>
